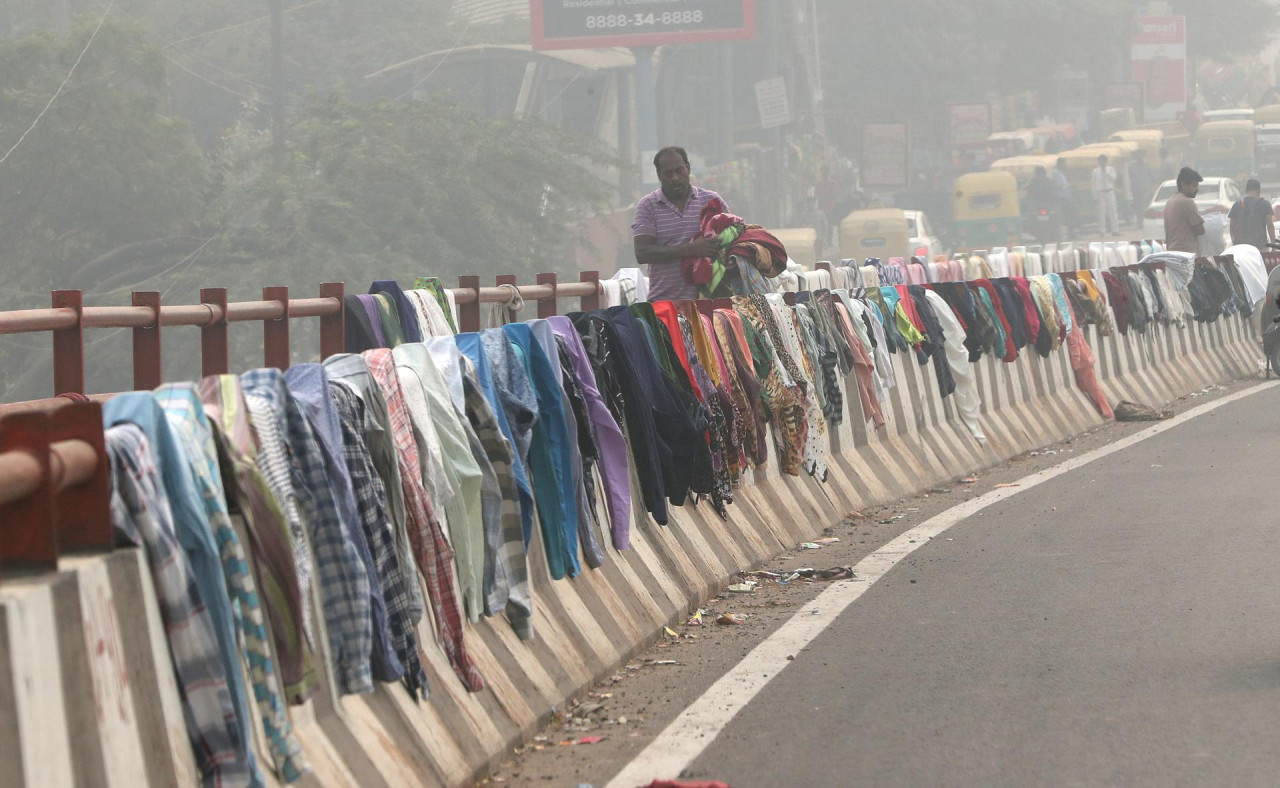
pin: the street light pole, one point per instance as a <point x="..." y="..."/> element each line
<point x="277" y="73"/>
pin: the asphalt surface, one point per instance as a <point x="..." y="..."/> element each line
<point x="1116" y="625"/>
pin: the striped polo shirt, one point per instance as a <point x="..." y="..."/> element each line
<point x="656" y="216"/>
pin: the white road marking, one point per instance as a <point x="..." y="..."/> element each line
<point x="681" y="742"/>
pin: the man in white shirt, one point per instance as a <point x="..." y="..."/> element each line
<point x="1103" y="186"/>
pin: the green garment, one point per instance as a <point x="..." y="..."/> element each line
<point x="389" y="317"/>
<point x="462" y="511"/>
<point x="905" y="327"/>
<point x="433" y="285"/>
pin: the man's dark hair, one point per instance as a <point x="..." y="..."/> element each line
<point x="1061" y="162"/>
<point x="1102" y="159"/>
<point x="1188" y="175"/>
<point x="657" y="157"/>
<point x="1252" y="185"/>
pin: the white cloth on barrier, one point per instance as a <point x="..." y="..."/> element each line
<point x="1252" y="270"/>
<point x="968" y="403"/>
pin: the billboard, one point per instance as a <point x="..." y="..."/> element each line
<point x="584" y="24"/>
<point x="968" y="125"/>
<point x="1159" y="62"/>
<point x="886" y="155"/>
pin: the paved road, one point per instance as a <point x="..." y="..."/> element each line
<point x="1117" y="625"/>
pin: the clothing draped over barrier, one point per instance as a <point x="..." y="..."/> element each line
<point x="417" y="472"/>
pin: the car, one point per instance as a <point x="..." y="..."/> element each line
<point x="1217" y="195"/>
<point x="922" y="241"/>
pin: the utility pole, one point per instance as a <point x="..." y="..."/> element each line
<point x="277" y="73"/>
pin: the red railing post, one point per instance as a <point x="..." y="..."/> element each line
<point x="215" y="356"/>
<point x="547" y="307"/>
<point x="469" y="312"/>
<point x="83" y="511"/>
<point x="147" y="359"/>
<point x="591" y="301"/>
<point x="68" y="346"/>
<point x="275" y="333"/>
<point x="30" y="540"/>
<point x="333" y="328"/>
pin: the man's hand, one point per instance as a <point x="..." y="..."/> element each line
<point x="703" y="247"/>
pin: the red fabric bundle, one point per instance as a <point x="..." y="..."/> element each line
<point x="712" y="222"/>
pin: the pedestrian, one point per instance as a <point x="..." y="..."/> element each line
<point x="1065" y="200"/>
<point x="1102" y="185"/>
<point x="1183" y="224"/>
<point x="1252" y="218"/>
<point x="1140" y="184"/>
<point x="665" y="221"/>
<point x="1168" y="167"/>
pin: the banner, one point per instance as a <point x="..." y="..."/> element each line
<point x="886" y="155"/>
<point x="584" y="24"/>
<point x="968" y="125"/>
<point x="1159" y="62"/>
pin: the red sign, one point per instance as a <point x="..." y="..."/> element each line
<point x="587" y="24"/>
<point x="1159" y="62"/>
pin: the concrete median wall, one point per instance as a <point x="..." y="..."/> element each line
<point x="87" y="694"/>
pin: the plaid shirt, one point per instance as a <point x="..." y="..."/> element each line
<point x="506" y="570"/>
<point x="140" y="513"/>
<point x="186" y="415"/>
<point x="435" y="557"/>
<point x="343" y="583"/>
<point x="309" y="387"/>
<point x="371" y="501"/>
<point x="259" y="516"/>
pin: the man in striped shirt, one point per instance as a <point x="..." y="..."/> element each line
<point x="665" y="226"/>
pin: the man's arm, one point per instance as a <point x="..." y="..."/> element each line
<point x="649" y="251"/>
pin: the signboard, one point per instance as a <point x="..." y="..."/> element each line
<point x="886" y="152"/>
<point x="771" y="98"/>
<point x="968" y="125"/>
<point x="1159" y="62"/>
<point x="1127" y="94"/>
<point x="584" y="24"/>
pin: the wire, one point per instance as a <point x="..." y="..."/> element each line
<point x="437" y="66"/>
<point x="58" y="92"/>
<point x="239" y="25"/>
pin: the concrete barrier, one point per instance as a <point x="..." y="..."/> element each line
<point x="87" y="694"/>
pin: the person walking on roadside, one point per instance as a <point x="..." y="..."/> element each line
<point x="665" y="221"/>
<point x="1068" y="205"/>
<point x="1183" y="224"/>
<point x="1252" y="220"/>
<point x="1102" y="185"/>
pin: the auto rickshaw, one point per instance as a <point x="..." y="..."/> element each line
<point x="1116" y="119"/>
<point x="987" y="212"/>
<point x="1023" y="168"/>
<point x="876" y="232"/>
<point x="1176" y="139"/>
<point x="1225" y="148"/>
<point x="801" y="244"/>
<point x="1267" y="115"/>
<point x="1150" y="140"/>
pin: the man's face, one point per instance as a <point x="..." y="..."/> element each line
<point x="1191" y="189"/>
<point x="673" y="174"/>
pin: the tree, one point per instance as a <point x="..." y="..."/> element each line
<point x="1225" y="29"/>
<point x="102" y="167"/>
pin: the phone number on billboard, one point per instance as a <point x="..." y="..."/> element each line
<point x="620" y="21"/>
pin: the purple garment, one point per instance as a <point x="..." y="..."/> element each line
<point x="656" y="216"/>
<point x="612" y="446"/>
<point x="371" y="309"/>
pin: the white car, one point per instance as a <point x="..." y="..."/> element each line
<point x="1217" y="195"/>
<point x="922" y="242"/>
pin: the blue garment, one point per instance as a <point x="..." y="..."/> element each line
<point x="404" y="309"/>
<point x="1060" y="298"/>
<point x="308" y="385"/>
<point x="472" y="346"/>
<point x="194" y="533"/>
<point x="551" y="455"/>
<point x="519" y="409"/>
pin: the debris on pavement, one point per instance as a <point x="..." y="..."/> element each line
<point x="1132" y="411"/>
<point x="731" y="618"/>
<point x="662" y="662"/>
<point x="696" y="619"/>
<point x="893" y="519"/>
<point x="745" y="587"/>
<point x="808" y="546"/>
<point x="827" y="540"/>
<point x="969" y="480"/>
<point x="1007" y="484"/>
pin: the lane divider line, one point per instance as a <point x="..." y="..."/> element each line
<point x="690" y="733"/>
